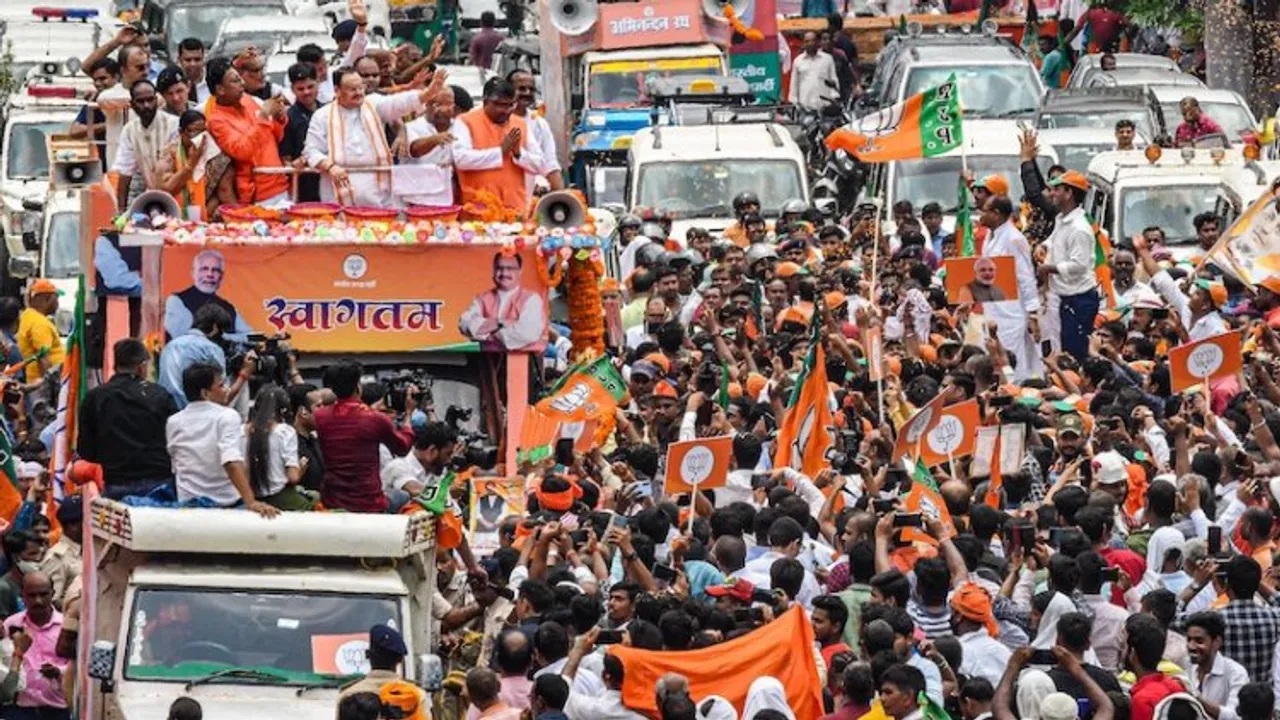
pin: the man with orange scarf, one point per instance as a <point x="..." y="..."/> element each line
<point x="493" y="151"/>
<point x="975" y="626"/>
<point x="347" y="135"/>
<point x="248" y="132"/>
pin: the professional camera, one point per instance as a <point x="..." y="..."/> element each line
<point x="477" y="449"/>
<point x="398" y="386"/>
<point x="273" y="358"/>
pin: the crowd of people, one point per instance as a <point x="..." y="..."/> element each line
<point x="1124" y="571"/>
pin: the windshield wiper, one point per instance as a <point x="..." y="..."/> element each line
<point x="332" y="681"/>
<point x="1014" y="112"/>
<point x="241" y="673"/>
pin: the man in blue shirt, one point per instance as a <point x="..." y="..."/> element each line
<point x="198" y="345"/>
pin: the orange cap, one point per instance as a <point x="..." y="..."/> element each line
<point x="834" y="299"/>
<point x="735" y="390"/>
<point x="42" y="287"/>
<point x="929" y="353"/>
<point x="661" y="361"/>
<point x="662" y="388"/>
<point x="1216" y="290"/>
<point x="755" y="384"/>
<point x="1271" y="283"/>
<point x="791" y="314"/>
<point x="787" y="269"/>
<point x="1072" y="178"/>
<point x="994" y="184"/>
<point x="609" y="285"/>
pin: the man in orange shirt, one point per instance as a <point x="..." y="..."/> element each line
<point x="493" y="150"/>
<point x="248" y="132"/>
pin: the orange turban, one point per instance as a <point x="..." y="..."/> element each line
<point x="755" y="384"/>
<point x="973" y="603"/>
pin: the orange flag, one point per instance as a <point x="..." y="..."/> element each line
<point x="1205" y="360"/>
<point x="703" y="462"/>
<point x="782" y="649"/>
<point x="914" y="430"/>
<point x="805" y="435"/>
<point x="953" y="435"/>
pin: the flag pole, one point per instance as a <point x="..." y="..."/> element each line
<point x="693" y="507"/>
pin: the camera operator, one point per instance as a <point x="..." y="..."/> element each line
<point x="200" y="345"/>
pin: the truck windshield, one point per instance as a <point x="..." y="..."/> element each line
<point x="204" y="21"/>
<point x="28" y="151"/>
<point x="934" y="179"/>
<point x="1077" y="157"/>
<point x="1172" y="208"/>
<point x="990" y="91"/>
<point x="620" y="84"/>
<point x="706" y="188"/>
<point x="184" y="634"/>
<point x="1234" y="119"/>
<point x="1096" y="119"/>
<point x="62" y="250"/>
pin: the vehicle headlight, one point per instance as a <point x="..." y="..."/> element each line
<point x="595" y="121"/>
<point x="585" y="139"/>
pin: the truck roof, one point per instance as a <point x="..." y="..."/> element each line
<point x="1129" y="164"/>
<point x="238" y="532"/>
<point x="1245" y="183"/>
<point x="699" y="142"/>
<point x="655" y="53"/>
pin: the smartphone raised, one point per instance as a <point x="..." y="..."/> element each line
<point x="882" y="506"/>
<point x="609" y="637"/>
<point x="1043" y="657"/>
<point x="1215" y="540"/>
<point x="665" y="573"/>
<point x="1111" y="574"/>
<point x="908" y="520"/>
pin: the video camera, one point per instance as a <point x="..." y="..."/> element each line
<point x="477" y="449"/>
<point x="273" y="358"/>
<point x="398" y="387"/>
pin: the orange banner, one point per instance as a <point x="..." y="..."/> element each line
<point x="703" y="462"/>
<point x="912" y="433"/>
<point x="1204" y="360"/>
<point x="782" y="649"/>
<point x="665" y="22"/>
<point x="954" y="434"/>
<point x="364" y="298"/>
<point x="340" y="654"/>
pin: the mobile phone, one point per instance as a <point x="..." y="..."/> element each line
<point x="1046" y="348"/>
<point x="1000" y="401"/>
<point x="1024" y="536"/>
<point x="1160" y="313"/>
<point x="664" y="573"/>
<point x="908" y="520"/>
<point x="760" y="481"/>
<point x="617" y="521"/>
<point x="1215" y="540"/>
<point x="882" y="506"/>
<point x="760" y="595"/>
<point x="1043" y="657"/>
<point x="609" y="637"/>
<point x="753" y="615"/>
<point x="578" y="536"/>
<point x="1111" y="574"/>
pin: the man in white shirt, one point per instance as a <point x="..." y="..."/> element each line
<point x="976" y="628"/>
<point x="785" y="542"/>
<point x="1016" y="319"/>
<point x="142" y="143"/>
<point x="1214" y="678"/>
<point x="655" y="314"/>
<point x="205" y="444"/>
<point x="431" y="139"/>
<point x="1198" y="310"/>
<point x="1069" y="269"/>
<point x="539" y="130"/>
<point x="814" y="83"/>
<point x="606" y="705"/>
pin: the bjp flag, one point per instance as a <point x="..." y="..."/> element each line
<point x="1204" y="360"/>
<point x="805" y="435"/>
<point x="782" y="649"/>
<point x="924" y="498"/>
<point x="953" y="435"/>
<point x="701" y="463"/>
<point x="538" y="435"/>
<point x="10" y="497"/>
<point x="917" y="427"/>
<point x="922" y="126"/>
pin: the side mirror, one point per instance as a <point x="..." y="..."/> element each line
<point x="576" y="102"/>
<point x="23" y="266"/>
<point x="618" y="209"/>
<point x="102" y="659"/>
<point x="34" y="205"/>
<point x="430" y="672"/>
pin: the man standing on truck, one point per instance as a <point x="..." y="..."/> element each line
<point x="350" y="433"/>
<point x="494" y="150"/>
<point x="43" y="698"/>
<point x="814" y="83"/>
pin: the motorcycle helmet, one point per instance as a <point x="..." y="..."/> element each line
<point x="794" y="206"/>
<point x="761" y="251"/>
<point x="629" y="221"/>
<point x="743" y="199"/>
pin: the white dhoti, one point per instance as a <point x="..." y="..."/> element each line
<point x="354" y="139"/>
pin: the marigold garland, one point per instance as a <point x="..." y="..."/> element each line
<point x="586" y="310"/>
<point x="551" y="273"/>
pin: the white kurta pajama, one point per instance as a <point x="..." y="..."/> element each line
<point x="354" y="138"/>
<point x="1011" y="316"/>
<point x="437" y="164"/>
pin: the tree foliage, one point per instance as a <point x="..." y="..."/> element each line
<point x="1186" y="16"/>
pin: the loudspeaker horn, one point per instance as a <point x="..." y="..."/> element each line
<point x="715" y="8"/>
<point x="155" y="202"/>
<point x="560" y="209"/>
<point x="71" y="174"/>
<point x="574" y="17"/>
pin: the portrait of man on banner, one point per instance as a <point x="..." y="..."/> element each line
<point x="208" y="272"/>
<point x="507" y="316"/>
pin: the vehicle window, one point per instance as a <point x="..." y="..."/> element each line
<point x="204" y="21"/>
<point x="28" y="151"/>
<point x="183" y="634"/>
<point x="993" y="91"/>
<point x="934" y="180"/>
<point x="1095" y="119"/>
<point x="624" y="83"/>
<point x="1077" y="157"/>
<point x="62" y="248"/>
<point x="706" y="188"/>
<point x="1171" y="207"/>
<point x="1233" y="118"/>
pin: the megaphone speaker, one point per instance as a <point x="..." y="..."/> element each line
<point x="574" y="17"/>
<point x="155" y="202"/>
<point x="66" y="175"/>
<point x="560" y="210"/>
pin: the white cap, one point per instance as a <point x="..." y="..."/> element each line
<point x="29" y="470"/>
<point x="1110" y="468"/>
<point x="1058" y="706"/>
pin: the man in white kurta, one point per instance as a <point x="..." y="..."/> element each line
<point x="539" y="131"/>
<point x="348" y="135"/>
<point x="431" y="154"/>
<point x="1015" y="319"/>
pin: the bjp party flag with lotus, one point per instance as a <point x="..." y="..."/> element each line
<point x="922" y="126"/>
<point x="1204" y="360"/>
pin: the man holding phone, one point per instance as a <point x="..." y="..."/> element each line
<point x="42" y="668"/>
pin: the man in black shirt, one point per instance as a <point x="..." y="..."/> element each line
<point x="122" y="425"/>
<point x="303" y="401"/>
<point x="1074" y="630"/>
<point x="305" y="83"/>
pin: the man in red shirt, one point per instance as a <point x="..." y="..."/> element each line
<point x="350" y="433"/>
<point x="1097" y="525"/>
<point x="1146" y="640"/>
<point x="1195" y="124"/>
